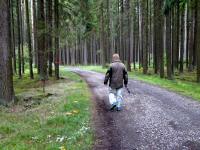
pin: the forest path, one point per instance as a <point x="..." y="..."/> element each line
<point x="152" y="118"/>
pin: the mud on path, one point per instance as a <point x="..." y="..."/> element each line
<point x="152" y="118"/>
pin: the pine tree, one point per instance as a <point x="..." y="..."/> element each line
<point x="6" y="81"/>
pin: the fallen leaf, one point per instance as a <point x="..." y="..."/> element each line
<point x="75" y="111"/>
<point x="68" y="113"/>
<point x="60" y="139"/>
<point x="62" y="148"/>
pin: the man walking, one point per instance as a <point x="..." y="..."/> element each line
<point x="117" y="77"/>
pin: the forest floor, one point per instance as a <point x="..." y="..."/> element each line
<point x="58" y="119"/>
<point x="152" y="117"/>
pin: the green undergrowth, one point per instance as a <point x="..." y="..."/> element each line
<point x="22" y="85"/>
<point x="60" y="121"/>
<point x="94" y="68"/>
<point x="182" y="83"/>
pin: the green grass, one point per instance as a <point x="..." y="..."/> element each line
<point x="186" y="88"/>
<point x="183" y="83"/>
<point x="25" y="84"/>
<point x="60" y="122"/>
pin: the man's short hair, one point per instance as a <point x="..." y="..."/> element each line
<point x="115" y="57"/>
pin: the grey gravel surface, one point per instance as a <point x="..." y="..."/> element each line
<point x="152" y="118"/>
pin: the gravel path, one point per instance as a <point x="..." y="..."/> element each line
<point x="152" y="118"/>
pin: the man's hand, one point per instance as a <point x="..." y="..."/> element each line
<point x="129" y="92"/>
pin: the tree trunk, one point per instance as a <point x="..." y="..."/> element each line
<point x="108" y="33"/>
<point x="195" y="34"/>
<point x="145" y="35"/>
<point x="35" y="35"/>
<point x="187" y="35"/>
<point x="191" y="42"/>
<point x="182" y="41"/>
<point x="174" y="61"/>
<point x="102" y="41"/>
<point x="198" y="40"/>
<point x="22" y="33"/>
<point x="13" y="38"/>
<point x="156" y="36"/>
<point x="19" y="40"/>
<point x="41" y="41"/>
<point x="50" y="26"/>
<point x="57" y="61"/>
<point x="6" y="81"/>
<point x="160" y="38"/>
<point x="177" y="35"/>
<point x="128" y="54"/>
<point x="29" y="41"/>
<point x="121" y="51"/>
<point x="168" y="45"/>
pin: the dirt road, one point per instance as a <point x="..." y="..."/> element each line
<point x="152" y="118"/>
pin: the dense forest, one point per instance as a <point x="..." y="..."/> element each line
<point x="163" y="35"/>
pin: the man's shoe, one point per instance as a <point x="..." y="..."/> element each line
<point x="113" y="107"/>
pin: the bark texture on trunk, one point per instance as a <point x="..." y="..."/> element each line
<point x="198" y="41"/>
<point x="6" y="81"/>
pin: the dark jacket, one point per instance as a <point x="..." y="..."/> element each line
<point x="117" y="75"/>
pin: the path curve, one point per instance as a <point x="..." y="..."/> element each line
<point x="152" y="119"/>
